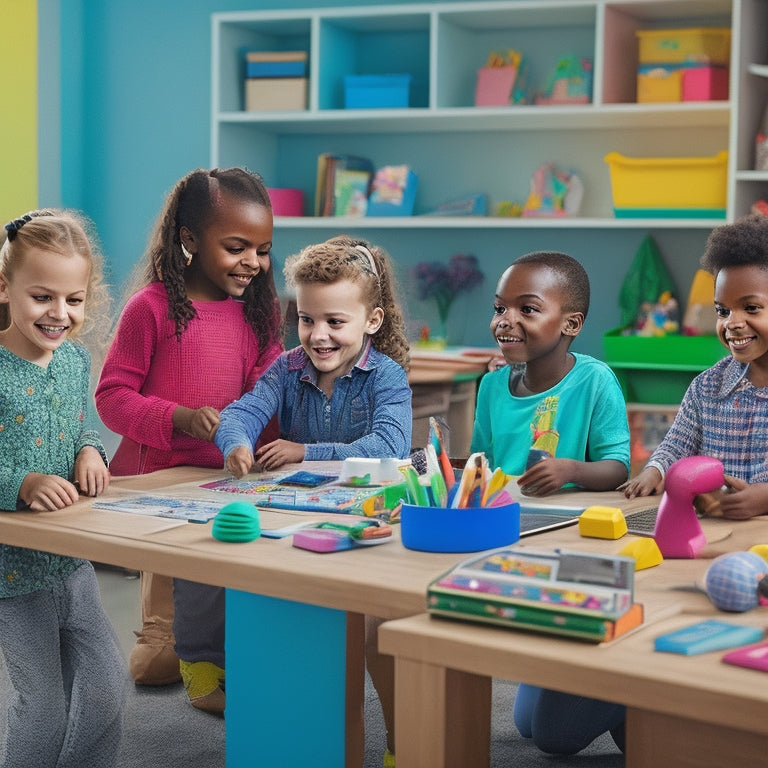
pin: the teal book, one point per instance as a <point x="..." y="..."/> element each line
<point x="705" y="636"/>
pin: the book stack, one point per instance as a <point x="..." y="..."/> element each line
<point x="584" y="596"/>
<point x="275" y="80"/>
<point x="343" y="185"/>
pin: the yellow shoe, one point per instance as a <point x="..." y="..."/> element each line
<point x="204" y="683"/>
<point x="389" y="759"/>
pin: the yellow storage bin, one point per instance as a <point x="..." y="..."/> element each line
<point x="659" y="85"/>
<point x="668" y="186"/>
<point x="707" y="45"/>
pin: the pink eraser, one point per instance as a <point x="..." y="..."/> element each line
<point x="322" y="540"/>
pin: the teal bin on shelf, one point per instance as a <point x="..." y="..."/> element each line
<point x="658" y="369"/>
<point x="376" y="91"/>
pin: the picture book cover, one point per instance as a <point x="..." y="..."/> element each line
<point x="351" y="192"/>
<point x="705" y="636"/>
<point x="376" y="501"/>
<point x="565" y="581"/>
<point x="332" y="169"/>
<point x="535" y="619"/>
<point x="192" y="510"/>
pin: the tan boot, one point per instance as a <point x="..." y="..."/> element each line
<point x="153" y="660"/>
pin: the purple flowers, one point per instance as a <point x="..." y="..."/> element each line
<point x="443" y="282"/>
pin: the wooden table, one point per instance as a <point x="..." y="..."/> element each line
<point x="294" y="618"/>
<point x="444" y="383"/>
<point x="294" y="631"/>
<point x="682" y="711"/>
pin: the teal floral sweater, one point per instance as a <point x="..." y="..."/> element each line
<point x="43" y="416"/>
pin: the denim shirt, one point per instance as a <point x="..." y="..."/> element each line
<point x="368" y="414"/>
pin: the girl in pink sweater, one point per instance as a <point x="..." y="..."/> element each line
<point x="201" y="326"/>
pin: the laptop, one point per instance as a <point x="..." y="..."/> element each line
<point x="537" y="518"/>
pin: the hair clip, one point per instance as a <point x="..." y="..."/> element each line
<point x="12" y="227"/>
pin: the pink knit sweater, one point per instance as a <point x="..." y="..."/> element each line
<point x="148" y="372"/>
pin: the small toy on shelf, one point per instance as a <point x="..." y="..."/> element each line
<point x="553" y="193"/>
<point x="660" y="318"/>
<point x="571" y="82"/>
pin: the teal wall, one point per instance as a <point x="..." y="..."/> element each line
<point x="135" y="116"/>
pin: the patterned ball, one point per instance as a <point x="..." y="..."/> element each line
<point x="731" y="581"/>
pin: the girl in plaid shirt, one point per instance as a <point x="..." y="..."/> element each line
<point x="724" y="413"/>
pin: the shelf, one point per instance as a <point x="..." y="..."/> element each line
<point x="485" y="222"/>
<point x="715" y="114"/>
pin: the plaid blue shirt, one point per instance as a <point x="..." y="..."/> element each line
<point x="723" y="416"/>
<point x="368" y="414"/>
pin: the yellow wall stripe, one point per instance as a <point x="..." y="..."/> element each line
<point x="18" y="107"/>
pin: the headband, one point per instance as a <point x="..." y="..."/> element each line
<point x="369" y="256"/>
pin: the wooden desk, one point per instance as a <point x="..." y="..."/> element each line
<point x="682" y="711"/>
<point x="294" y="618"/>
<point x="291" y="614"/>
<point x="444" y="383"/>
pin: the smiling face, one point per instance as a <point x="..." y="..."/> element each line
<point x="46" y="299"/>
<point x="741" y="304"/>
<point x="529" y="322"/>
<point x="333" y="324"/>
<point x="229" y="251"/>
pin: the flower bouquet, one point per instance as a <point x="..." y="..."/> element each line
<point x="443" y="283"/>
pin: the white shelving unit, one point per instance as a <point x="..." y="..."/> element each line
<point x="491" y="149"/>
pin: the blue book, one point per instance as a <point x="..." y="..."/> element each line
<point x="710" y="635"/>
<point x="276" y="69"/>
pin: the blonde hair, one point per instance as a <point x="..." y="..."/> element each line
<point x="67" y="233"/>
<point x="345" y="258"/>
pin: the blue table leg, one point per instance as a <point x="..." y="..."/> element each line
<point x="286" y="683"/>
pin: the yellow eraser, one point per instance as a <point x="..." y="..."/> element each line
<point x="760" y="549"/>
<point x="602" y="523"/>
<point x="645" y="551"/>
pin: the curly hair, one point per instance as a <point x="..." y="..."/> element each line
<point x="345" y="258"/>
<point x="192" y="203"/>
<point x="572" y="277"/>
<point x="740" y="244"/>
<point x="67" y="233"/>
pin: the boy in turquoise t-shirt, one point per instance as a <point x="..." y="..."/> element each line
<point x="554" y="418"/>
<point x="549" y="403"/>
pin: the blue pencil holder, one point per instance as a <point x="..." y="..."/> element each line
<point x="445" y="529"/>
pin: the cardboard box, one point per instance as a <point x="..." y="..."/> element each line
<point x="265" y="94"/>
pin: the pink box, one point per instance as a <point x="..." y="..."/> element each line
<point x="494" y="86"/>
<point x="705" y="84"/>
<point x="286" y="202"/>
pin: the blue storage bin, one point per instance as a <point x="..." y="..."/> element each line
<point x="446" y="529"/>
<point x="376" y="91"/>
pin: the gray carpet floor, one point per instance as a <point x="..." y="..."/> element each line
<point x="164" y="731"/>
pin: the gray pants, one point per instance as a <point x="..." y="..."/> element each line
<point x="198" y="621"/>
<point x="68" y="676"/>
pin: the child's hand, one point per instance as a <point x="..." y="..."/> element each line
<point x="548" y="475"/>
<point x="45" y="493"/>
<point x="743" y="500"/>
<point x="647" y="483"/>
<point x="201" y="423"/>
<point x="279" y="452"/>
<point x="91" y="473"/>
<point x="239" y="461"/>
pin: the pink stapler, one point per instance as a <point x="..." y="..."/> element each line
<point x="678" y="532"/>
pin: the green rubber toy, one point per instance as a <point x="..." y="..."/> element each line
<point x="238" y="521"/>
